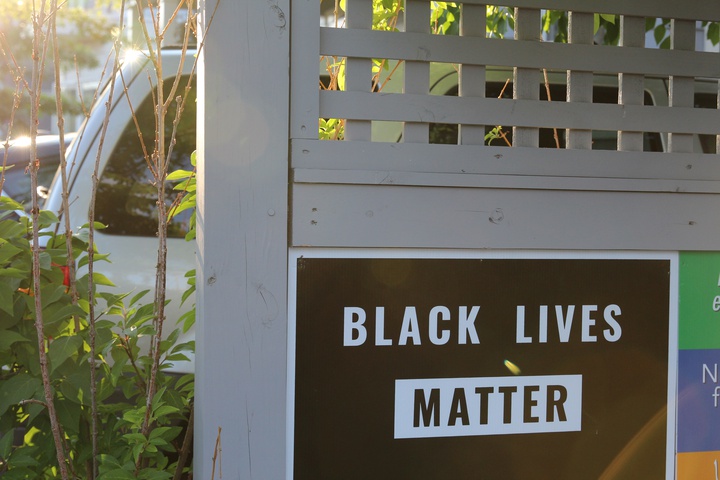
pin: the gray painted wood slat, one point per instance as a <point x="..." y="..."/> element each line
<point x="682" y="89"/>
<point x="632" y="34"/>
<point x="504" y="52"/>
<point x="470" y="160"/>
<point x="358" y="71"/>
<point x="540" y="182"/>
<point x="408" y="217"/>
<point x="471" y="81"/>
<point x="717" y="138"/>
<point x="527" y="113"/>
<point x="525" y="80"/>
<point x="579" y="83"/>
<point x="417" y="73"/>
<point x="304" y="92"/>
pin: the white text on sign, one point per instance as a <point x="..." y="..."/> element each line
<point x="441" y="325"/>
<point x="455" y="407"/>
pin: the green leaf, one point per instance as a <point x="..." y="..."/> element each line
<point x="51" y="294"/>
<point x="167" y="434"/>
<point x="45" y="261"/>
<point x="64" y="313"/>
<point x="18" y="388"/>
<point x="76" y="387"/>
<point x="180" y="175"/>
<point x="7" y="203"/>
<point x="63" y="348"/>
<point x="47" y="218"/>
<point x="134" y="416"/>
<point x="69" y="414"/>
<point x="135" y="437"/>
<point x="7" y="251"/>
<point x="13" y="273"/>
<point x="8" y="337"/>
<point x="137" y="451"/>
<point x="97" y="257"/>
<point x="18" y="473"/>
<point x="659" y="33"/>
<point x="713" y="32"/>
<point x="164" y="410"/>
<point x="138" y="296"/>
<point x="182" y="207"/>
<point x="187" y="320"/>
<point x="22" y="457"/>
<point x="6" y="443"/>
<point x="117" y="474"/>
<point x="7" y="293"/>
<point x="610" y="18"/>
<point x="83" y="234"/>
<point x="157" y="400"/>
<point x="108" y="461"/>
<point x="117" y="369"/>
<point x="12" y="229"/>
<point x="153" y="474"/>
<point x="101" y="279"/>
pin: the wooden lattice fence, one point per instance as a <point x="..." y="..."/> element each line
<point x="652" y="136"/>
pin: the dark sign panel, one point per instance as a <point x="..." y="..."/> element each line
<point x="505" y="369"/>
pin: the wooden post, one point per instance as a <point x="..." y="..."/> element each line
<point x="242" y="240"/>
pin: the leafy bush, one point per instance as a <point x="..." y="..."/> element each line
<point x="122" y="368"/>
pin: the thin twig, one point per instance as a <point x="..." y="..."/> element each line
<point x="32" y="401"/>
<point x="502" y="134"/>
<point x="146" y="155"/>
<point x="217" y="452"/>
<point x="12" y="63"/>
<point x="6" y="145"/>
<point x="39" y="56"/>
<point x="161" y="158"/>
<point x="187" y="444"/>
<point x="91" y="238"/>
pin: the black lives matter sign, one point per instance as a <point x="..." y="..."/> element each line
<point x="480" y="368"/>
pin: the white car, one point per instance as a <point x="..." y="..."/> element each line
<point x="17" y="178"/>
<point x="125" y="196"/>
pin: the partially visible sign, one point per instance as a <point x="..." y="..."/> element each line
<point x="698" y="435"/>
<point x="493" y="368"/>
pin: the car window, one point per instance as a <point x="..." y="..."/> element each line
<point x="17" y="179"/>
<point x="126" y="196"/>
